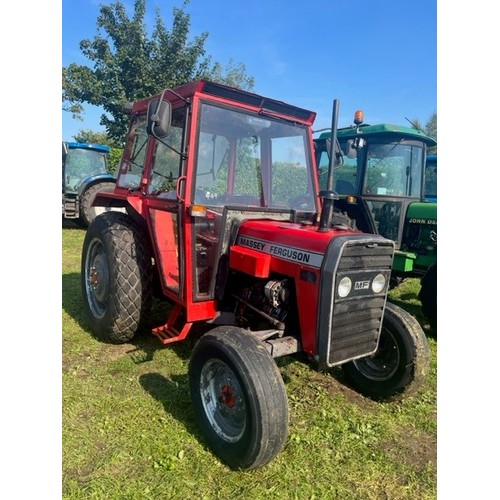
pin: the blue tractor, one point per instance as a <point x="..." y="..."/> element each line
<point x="84" y="174"/>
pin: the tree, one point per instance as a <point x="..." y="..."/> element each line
<point x="430" y="129"/>
<point x="115" y="150"/>
<point x="431" y="126"/>
<point x="129" y="65"/>
<point x="91" y="136"/>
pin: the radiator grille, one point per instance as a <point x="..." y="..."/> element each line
<point x="352" y="324"/>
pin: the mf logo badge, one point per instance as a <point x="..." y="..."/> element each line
<point x="361" y="285"/>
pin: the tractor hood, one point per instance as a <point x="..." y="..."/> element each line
<point x="299" y="243"/>
<point x="422" y="213"/>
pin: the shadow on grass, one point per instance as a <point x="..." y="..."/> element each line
<point x="146" y="343"/>
<point x="72" y="301"/>
<point x="174" y="395"/>
<point x="72" y="224"/>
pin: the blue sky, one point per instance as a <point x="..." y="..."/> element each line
<point x="379" y="56"/>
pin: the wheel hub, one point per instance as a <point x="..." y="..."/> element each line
<point x="227" y="396"/>
<point x="384" y="363"/>
<point x="97" y="278"/>
<point x="223" y="400"/>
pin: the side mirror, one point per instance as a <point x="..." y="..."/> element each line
<point x="350" y="149"/>
<point x="339" y="157"/>
<point x="159" y="118"/>
<point x="64" y="149"/>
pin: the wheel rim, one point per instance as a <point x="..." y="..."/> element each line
<point x="384" y="363"/>
<point x="97" y="278"/>
<point x="223" y="400"/>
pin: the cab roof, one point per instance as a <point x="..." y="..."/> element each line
<point x="263" y="105"/>
<point x="86" y="145"/>
<point x="383" y="130"/>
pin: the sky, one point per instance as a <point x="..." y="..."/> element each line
<point x="378" y="56"/>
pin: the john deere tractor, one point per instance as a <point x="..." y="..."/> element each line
<point x="387" y="184"/>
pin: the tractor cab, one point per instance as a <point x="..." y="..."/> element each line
<point x="196" y="160"/>
<point x="82" y="161"/>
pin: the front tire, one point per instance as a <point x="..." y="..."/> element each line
<point x="400" y="364"/>
<point x="239" y="397"/>
<point x="116" y="277"/>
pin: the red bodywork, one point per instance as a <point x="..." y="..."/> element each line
<point x="287" y="249"/>
<point x="263" y="247"/>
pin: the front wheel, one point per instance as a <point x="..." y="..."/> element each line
<point x="399" y="365"/>
<point x="239" y="397"/>
<point x="116" y="277"/>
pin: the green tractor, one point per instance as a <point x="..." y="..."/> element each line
<point x="386" y="184"/>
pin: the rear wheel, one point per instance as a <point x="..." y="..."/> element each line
<point x="116" y="277"/>
<point x="87" y="212"/>
<point x="400" y="363"/>
<point x="239" y="397"/>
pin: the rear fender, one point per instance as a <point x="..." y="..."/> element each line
<point x="94" y="179"/>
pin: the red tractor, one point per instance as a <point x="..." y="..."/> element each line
<point x="223" y="219"/>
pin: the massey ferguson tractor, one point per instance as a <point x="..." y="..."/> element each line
<point x="223" y="220"/>
<point x="387" y="184"/>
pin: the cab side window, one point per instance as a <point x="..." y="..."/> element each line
<point x="167" y="160"/>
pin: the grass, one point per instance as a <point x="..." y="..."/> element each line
<point x="129" y="431"/>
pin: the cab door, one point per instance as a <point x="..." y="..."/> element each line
<point x="164" y="205"/>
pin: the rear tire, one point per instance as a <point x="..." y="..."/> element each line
<point x="399" y="366"/>
<point x="116" y="277"/>
<point x="87" y="212"/>
<point x="239" y="397"/>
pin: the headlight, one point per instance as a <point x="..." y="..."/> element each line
<point x="344" y="287"/>
<point x="378" y="283"/>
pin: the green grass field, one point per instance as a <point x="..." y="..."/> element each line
<point x="129" y="431"/>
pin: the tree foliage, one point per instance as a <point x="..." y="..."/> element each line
<point x="429" y="129"/>
<point x="128" y="63"/>
<point x="115" y="150"/>
<point x="91" y="136"/>
<point x="431" y="126"/>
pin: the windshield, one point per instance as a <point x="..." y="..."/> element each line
<point x="83" y="163"/>
<point x="244" y="159"/>
<point x="393" y="170"/>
